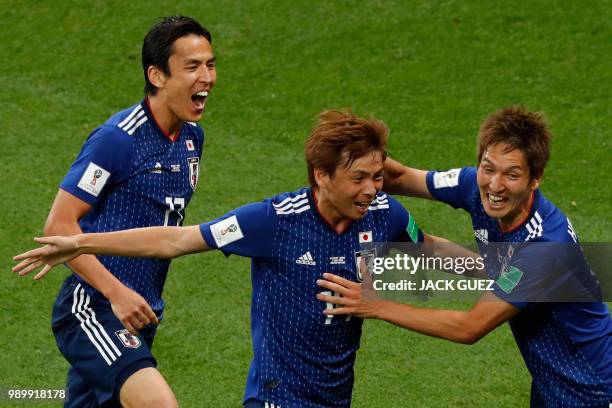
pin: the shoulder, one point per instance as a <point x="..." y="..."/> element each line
<point x="194" y="130"/>
<point x="460" y="177"/>
<point x="128" y="120"/>
<point x="548" y="223"/>
<point x="387" y="209"/>
<point x="290" y="203"/>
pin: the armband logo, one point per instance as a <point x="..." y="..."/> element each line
<point x="508" y="280"/>
<point x="226" y="231"/>
<point x="446" y="179"/>
<point x="94" y="179"/>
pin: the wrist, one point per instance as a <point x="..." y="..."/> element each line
<point x="379" y="309"/>
<point x="113" y="290"/>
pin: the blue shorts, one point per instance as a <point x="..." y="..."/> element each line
<point x="101" y="352"/>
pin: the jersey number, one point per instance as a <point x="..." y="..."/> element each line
<point x="176" y="205"/>
<point x="328" y="319"/>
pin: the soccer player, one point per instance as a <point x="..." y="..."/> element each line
<point x="138" y="169"/>
<point x="302" y="358"/>
<point x="567" y="346"/>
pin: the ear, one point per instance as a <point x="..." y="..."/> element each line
<point x="156" y="76"/>
<point x="321" y="177"/>
<point x="535" y="183"/>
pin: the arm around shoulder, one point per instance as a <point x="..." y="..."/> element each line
<point x="403" y="180"/>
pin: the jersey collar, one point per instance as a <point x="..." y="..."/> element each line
<point x="310" y="193"/>
<point x="534" y="206"/>
<point x="156" y="125"/>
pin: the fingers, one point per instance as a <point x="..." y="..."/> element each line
<point x="23" y="264"/>
<point x="45" y="240"/>
<point x="33" y="265"/>
<point x="32" y="253"/>
<point x="44" y="271"/>
<point x="130" y="327"/>
<point x="339" y="311"/>
<point x="339" y="280"/>
<point x="336" y="300"/>
<point x="151" y="316"/>
<point x="334" y="287"/>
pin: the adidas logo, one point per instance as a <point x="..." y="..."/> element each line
<point x="482" y="235"/>
<point x="306" y="259"/>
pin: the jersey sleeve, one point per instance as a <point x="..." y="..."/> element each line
<point x="546" y="272"/>
<point x="104" y="160"/>
<point x="246" y="231"/>
<point x="453" y="187"/>
<point x="404" y="227"/>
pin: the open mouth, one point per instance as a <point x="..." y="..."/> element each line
<point x="362" y="205"/>
<point x="496" y="201"/>
<point x="199" y="99"/>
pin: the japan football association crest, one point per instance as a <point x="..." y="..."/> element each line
<point x="128" y="339"/>
<point x="364" y="261"/>
<point x="194" y="171"/>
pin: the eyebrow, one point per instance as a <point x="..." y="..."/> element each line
<point x="516" y="167"/>
<point x="198" y="61"/>
<point x="363" y="172"/>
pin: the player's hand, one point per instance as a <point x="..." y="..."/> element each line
<point x="57" y="250"/>
<point x="132" y="310"/>
<point x="355" y="299"/>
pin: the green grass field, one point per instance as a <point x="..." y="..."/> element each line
<point x="431" y="70"/>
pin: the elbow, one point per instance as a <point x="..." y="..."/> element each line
<point x="52" y="227"/>
<point x="469" y="336"/>
<point x="467" y="339"/>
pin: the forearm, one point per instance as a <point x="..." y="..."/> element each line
<point x="445" y="324"/>
<point x="473" y="263"/>
<point x="87" y="267"/>
<point x="403" y="180"/>
<point x="152" y="242"/>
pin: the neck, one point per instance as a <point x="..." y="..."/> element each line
<point x="330" y="215"/>
<point x="165" y="118"/>
<point x="520" y="218"/>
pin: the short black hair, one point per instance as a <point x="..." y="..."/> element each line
<point x="157" y="44"/>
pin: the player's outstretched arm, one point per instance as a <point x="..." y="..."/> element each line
<point x="152" y="242"/>
<point x="403" y="180"/>
<point x="129" y="307"/>
<point x="465" y="327"/>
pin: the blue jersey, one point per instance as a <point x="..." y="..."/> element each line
<point x="133" y="175"/>
<point x="302" y="358"/>
<point x="567" y="346"/>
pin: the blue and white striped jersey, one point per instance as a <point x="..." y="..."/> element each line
<point x="566" y="345"/>
<point x="133" y="175"/>
<point x="302" y="358"/>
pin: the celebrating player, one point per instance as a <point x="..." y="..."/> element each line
<point x="567" y="346"/>
<point x="301" y="357"/>
<point x="138" y="169"/>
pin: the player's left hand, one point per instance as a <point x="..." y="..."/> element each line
<point x="355" y="299"/>
<point x="57" y="250"/>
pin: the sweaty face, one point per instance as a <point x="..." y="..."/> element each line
<point x="349" y="192"/>
<point x="505" y="184"/>
<point x="192" y="76"/>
